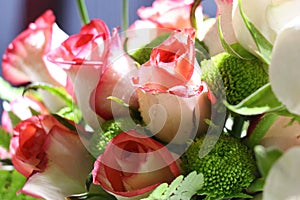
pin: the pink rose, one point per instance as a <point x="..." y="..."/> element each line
<point x="51" y="156"/>
<point x="170" y="14"/>
<point x="163" y="16"/>
<point x="132" y="165"/>
<point x="25" y="58"/>
<point x="82" y="56"/>
<point x="173" y="101"/>
<point x="115" y="81"/>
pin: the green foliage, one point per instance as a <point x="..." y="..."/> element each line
<point x="14" y="118"/>
<point x="261" y="128"/>
<point x="142" y="55"/>
<point x="201" y="51"/>
<point x="4" y="139"/>
<point x="228" y="166"/>
<point x="71" y="111"/>
<point x="10" y="183"/>
<point x="9" y="92"/>
<point x="266" y="157"/>
<point x="261" y="101"/>
<point x="233" y="78"/>
<point x="57" y="91"/>
<point x="181" y="188"/>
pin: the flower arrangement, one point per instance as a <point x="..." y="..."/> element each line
<point x="177" y="106"/>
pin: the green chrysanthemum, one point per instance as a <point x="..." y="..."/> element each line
<point x="235" y="77"/>
<point x="228" y="168"/>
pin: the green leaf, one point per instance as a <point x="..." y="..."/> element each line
<point x="261" y="101"/>
<point x="4" y="139"/>
<point x="235" y="49"/>
<point x="13" y="118"/>
<point x="180" y="188"/>
<point x="142" y="55"/>
<point x="265" y="122"/>
<point x="65" y="122"/>
<point x="265" y="158"/>
<point x="71" y="113"/>
<point x="193" y="18"/>
<point x="158" y="192"/>
<point x="9" y="92"/>
<point x="118" y="100"/>
<point x="57" y="91"/>
<point x="263" y="45"/>
<point x="10" y="183"/>
<point x="257" y="185"/>
<point x="201" y="51"/>
<point x="34" y="112"/>
<point x="239" y="195"/>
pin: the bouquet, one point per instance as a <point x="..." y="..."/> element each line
<point x="175" y="106"/>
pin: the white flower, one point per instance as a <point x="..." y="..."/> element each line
<point x="283" y="180"/>
<point x="285" y="66"/>
<point x="268" y="16"/>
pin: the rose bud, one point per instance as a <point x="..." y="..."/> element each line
<point x="51" y="156"/>
<point x="132" y="165"/>
<point x="114" y="81"/>
<point x="82" y="56"/>
<point x="173" y="101"/>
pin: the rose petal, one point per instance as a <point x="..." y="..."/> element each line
<point x="211" y="36"/>
<point x="111" y="172"/>
<point x="285" y="66"/>
<point x="169" y="117"/>
<point x="68" y="166"/>
<point x="52" y="184"/>
<point x="66" y="149"/>
<point x="23" y="60"/>
<point x="282" y="134"/>
<point x="82" y="57"/>
<point x="114" y="81"/>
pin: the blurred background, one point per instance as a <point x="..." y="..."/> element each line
<point x="17" y="14"/>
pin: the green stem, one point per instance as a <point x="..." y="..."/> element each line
<point x="83" y="12"/>
<point x="238" y="123"/>
<point x="125" y="15"/>
<point x="193" y="14"/>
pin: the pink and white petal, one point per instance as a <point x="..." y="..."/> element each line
<point x="65" y="149"/>
<point x="283" y="179"/>
<point x="142" y="32"/>
<point x="285" y="66"/>
<point x="114" y="81"/>
<point x="169" y="117"/>
<point x="211" y="34"/>
<point x="52" y="184"/>
<point x="23" y="59"/>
